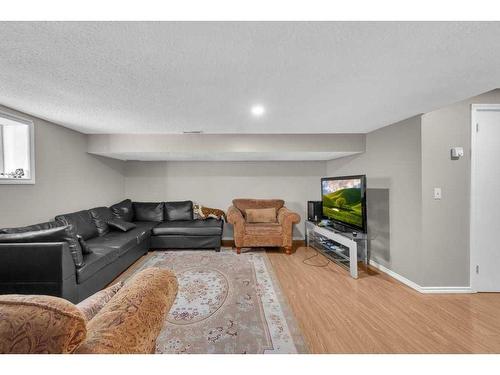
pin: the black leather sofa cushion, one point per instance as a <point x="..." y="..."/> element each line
<point x="208" y="227"/>
<point x="101" y="215"/>
<point x="146" y="225"/>
<point x="148" y="211"/>
<point x="32" y="228"/>
<point x="98" y="259"/>
<point x="120" y="225"/>
<point x="178" y="211"/>
<point x="120" y="241"/>
<point x="185" y="242"/>
<point x="56" y="234"/>
<point x="83" y="244"/>
<point x="82" y="222"/>
<point x="123" y="210"/>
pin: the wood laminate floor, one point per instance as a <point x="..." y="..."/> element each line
<point x="376" y="313"/>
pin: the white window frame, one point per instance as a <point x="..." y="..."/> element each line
<point x="25" y="121"/>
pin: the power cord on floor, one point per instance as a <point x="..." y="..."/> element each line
<point x="314" y="256"/>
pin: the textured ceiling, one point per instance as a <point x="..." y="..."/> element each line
<point x="169" y="77"/>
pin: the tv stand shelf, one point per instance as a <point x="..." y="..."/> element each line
<point x="343" y="248"/>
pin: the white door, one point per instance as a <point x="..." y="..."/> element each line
<point x="485" y="198"/>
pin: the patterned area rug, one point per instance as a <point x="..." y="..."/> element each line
<point x="227" y="303"/>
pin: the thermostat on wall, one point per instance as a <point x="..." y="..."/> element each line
<point x="457" y="153"/>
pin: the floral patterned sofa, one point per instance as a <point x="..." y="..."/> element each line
<point x="129" y="323"/>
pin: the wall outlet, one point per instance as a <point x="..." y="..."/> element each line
<point x="437" y="193"/>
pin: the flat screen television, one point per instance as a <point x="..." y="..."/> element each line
<point x="344" y="201"/>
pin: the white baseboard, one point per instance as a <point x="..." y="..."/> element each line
<point x="422" y="289"/>
<point x="446" y="289"/>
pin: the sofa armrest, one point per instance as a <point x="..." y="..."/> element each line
<point x="287" y="217"/>
<point x="235" y="217"/>
<point x="37" y="268"/>
<point x="132" y="320"/>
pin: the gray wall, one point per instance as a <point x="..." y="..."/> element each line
<point x="215" y="184"/>
<point x="392" y="164"/>
<point x="428" y="240"/>
<point x="445" y="222"/>
<point x="67" y="178"/>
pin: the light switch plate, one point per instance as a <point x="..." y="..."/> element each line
<point x="437" y="193"/>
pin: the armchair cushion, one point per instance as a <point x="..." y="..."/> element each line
<point x="263" y="229"/>
<point x="244" y="204"/>
<point x="261" y="215"/>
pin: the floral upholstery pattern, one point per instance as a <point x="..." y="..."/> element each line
<point x="131" y="321"/>
<point x="32" y="324"/>
<point x="92" y="305"/>
<point x="262" y="234"/>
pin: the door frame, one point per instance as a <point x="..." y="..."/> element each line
<point x="473" y="230"/>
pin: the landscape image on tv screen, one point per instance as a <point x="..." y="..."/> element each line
<point x="342" y="201"/>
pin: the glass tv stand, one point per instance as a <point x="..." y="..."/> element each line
<point x="343" y="248"/>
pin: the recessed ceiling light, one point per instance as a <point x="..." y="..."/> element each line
<point x="258" y="110"/>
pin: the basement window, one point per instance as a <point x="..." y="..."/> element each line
<point x="17" y="156"/>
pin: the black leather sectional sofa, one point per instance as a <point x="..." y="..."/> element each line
<point x="79" y="253"/>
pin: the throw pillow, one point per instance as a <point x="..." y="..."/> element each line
<point x="85" y="248"/>
<point x="124" y="226"/>
<point x="123" y="210"/>
<point x="40" y="325"/>
<point x="100" y="215"/>
<point x="93" y="304"/>
<point x="82" y="223"/>
<point x="261" y="215"/>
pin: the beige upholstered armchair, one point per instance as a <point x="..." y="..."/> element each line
<point x="262" y="223"/>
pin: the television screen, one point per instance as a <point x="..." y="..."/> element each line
<point x="344" y="200"/>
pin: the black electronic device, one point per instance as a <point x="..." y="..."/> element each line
<point x="314" y="211"/>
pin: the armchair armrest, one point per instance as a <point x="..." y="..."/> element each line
<point x="37" y="268"/>
<point x="285" y="216"/>
<point x="234" y="216"/>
